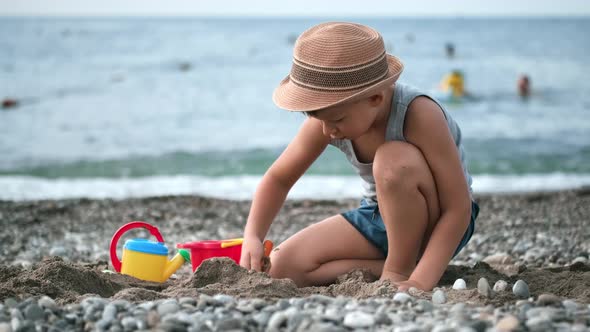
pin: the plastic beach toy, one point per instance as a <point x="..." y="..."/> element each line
<point x="232" y="248"/>
<point x="144" y="259"/>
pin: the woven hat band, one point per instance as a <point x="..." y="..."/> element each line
<point x="338" y="79"/>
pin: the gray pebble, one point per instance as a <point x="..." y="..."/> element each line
<point x="229" y="324"/>
<point x="102" y="325"/>
<point x="58" y="251"/>
<point x="402" y="297"/>
<point x="47" y="303"/>
<point x="187" y="300"/>
<point x="5" y="327"/>
<point x="570" y="305"/>
<point x="521" y="289"/>
<point x="34" y="312"/>
<point x="548" y="299"/>
<point x="277" y="320"/>
<point x="172" y="325"/>
<point x="110" y="312"/>
<point x="324" y="327"/>
<point x="261" y="318"/>
<point x="10" y="302"/>
<point x="424" y="306"/>
<point x="439" y="297"/>
<point x="168" y="307"/>
<point x="129" y="323"/>
<point x="224" y="299"/>
<point x="147" y="305"/>
<point x="16" y="324"/>
<point x="323" y="299"/>
<point x="15" y="313"/>
<point x="539" y="324"/>
<point x="483" y="288"/>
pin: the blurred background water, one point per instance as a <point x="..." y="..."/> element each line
<point x="150" y="106"/>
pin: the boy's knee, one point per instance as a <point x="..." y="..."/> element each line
<point x="281" y="265"/>
<point x="398" y="165"/>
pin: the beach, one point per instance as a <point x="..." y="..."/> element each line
<point x="59" y="249"/>
<point x="170" y="120"/>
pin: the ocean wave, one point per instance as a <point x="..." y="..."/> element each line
<point x="22" y="188"/>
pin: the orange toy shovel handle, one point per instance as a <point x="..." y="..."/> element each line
<point x="267" y="247"/>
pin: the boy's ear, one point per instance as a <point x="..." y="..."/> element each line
<point x="376" y="99"/>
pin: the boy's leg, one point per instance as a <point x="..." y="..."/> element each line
<point x="408" y="203"/>
<point x="318" y="254"/>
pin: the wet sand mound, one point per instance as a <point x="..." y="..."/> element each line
<point x="68" y="282"/>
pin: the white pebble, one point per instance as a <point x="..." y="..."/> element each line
<point x="460" y="284"/>
<point x="358" y="319"/>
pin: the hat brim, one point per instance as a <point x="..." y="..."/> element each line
<point x="292" y="97"/>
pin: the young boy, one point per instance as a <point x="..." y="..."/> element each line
<point x="417" y="211"/>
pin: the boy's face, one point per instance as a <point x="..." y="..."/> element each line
<point x="348" y="121"/>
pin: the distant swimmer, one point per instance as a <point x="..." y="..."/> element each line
<point x="454" y="84"/>
<point x="450" y="50"/>
<point x="524" y="86"/>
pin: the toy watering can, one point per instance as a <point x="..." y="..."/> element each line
<point x="144" y="259"/>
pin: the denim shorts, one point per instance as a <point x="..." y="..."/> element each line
<point x="367" y="220"/>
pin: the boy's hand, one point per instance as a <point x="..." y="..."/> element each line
<point x="252" y="253"/>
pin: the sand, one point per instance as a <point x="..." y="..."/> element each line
<point x="80" y="230"/>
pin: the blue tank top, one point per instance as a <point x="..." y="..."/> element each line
<point x="402" y="97"/>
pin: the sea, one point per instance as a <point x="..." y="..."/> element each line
<point x="144" y="106"/>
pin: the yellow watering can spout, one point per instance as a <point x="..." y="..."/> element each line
<point x="175" y="263"/>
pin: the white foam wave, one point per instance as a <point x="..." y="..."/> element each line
<point x="242" y="187"/>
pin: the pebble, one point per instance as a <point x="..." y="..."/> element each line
<point x="359" y="319"/>
<point x="521" y="289"/>
<point x="483" y="288"/>
<point x="168" y="307"/>
<point x="459" y="284"/>
<point x="110" y="312"/>
<point x="34" y="312"/>
<point x="5" y="327"/>
<point x="548" y="299"/>
<point x="500" y="286"/>
<point x="316" y="313"/>
<point x="10" y="302"/>
<point x="47" y="303"/>
<point x="539" y="324"/>
<point x="402" y="297"/>
<point x="439" y="297"/>
<point x="500" y="258"/>
<point x="507" y="323"/>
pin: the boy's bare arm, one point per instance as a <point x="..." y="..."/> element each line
<point x="427" y="129"/>
<point x="270" y="194"/>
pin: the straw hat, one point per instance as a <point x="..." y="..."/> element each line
<point x="334" y="63"/>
